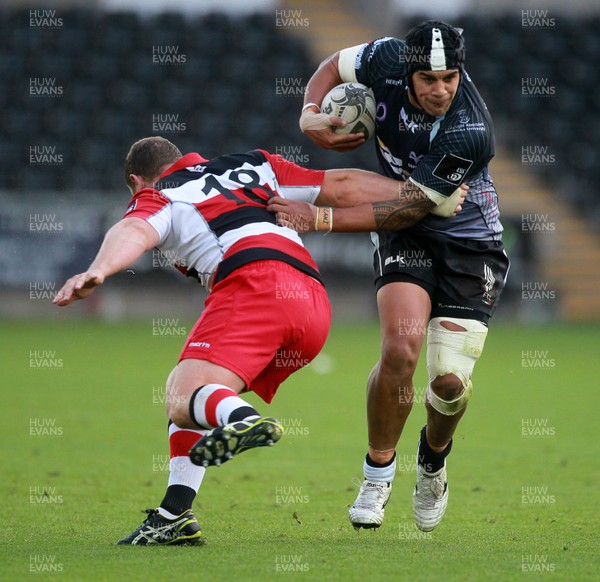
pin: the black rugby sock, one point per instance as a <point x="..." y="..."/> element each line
<point x="429" y="459"/>
<point x="178" y="498"/>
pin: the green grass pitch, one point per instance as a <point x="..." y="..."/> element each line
<point x="84" y="450"/>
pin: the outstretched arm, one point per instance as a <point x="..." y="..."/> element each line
<point x="409" y="206"/>
<point x="384" y="214"/>
<point x="351" y="187"/>
<point x="123" y="245"/>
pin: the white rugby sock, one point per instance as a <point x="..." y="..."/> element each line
<point x="215" y="405"/>
<point x="185" y="478"/>
<point x="385" y="474"/>
<point x="181" y="470"/>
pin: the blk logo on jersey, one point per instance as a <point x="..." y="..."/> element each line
<point x="452" y="169"/>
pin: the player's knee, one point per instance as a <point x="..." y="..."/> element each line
<point x="453" y="347"/>
<point x="177" y="404"/>
<point x="179" y="412"/>
<point x="399" y="357"/>
<point x="447" y="387"/>
<point x="180" y="415"/>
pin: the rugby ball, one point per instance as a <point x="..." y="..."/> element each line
<point x="355" y="104"/>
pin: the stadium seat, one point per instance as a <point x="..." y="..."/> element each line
<point x="112" y="88"/>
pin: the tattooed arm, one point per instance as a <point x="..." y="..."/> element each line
<point x="410" y="206"/>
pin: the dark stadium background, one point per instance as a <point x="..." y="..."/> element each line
<point x="82" y="80"/>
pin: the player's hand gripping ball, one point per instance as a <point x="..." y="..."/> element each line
<point x="355" y="104"/>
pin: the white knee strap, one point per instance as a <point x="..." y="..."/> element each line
<point x="453" y="352"/>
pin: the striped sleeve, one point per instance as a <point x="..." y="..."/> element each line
<point x="154" y="208"/>
<point x="295" y="182"/>
<point x="378" y="59"/>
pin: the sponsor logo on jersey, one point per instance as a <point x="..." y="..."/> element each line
<point x="463" y="116"/>
<point x="375" y="44"/>
<point x="462" y="122"/>
<point x="466" y="127"/>
<point x="132" y="207"/>
<point x="410" y="260"/>
<point x="452" y="169"/>
<point x="394" y="163"/>
<point x="359" y="55"/>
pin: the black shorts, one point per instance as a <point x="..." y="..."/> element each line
<point x="463" y="277"/>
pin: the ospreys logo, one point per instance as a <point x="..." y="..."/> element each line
<point x="452" y="169"/>
<point x="488" y="284"/>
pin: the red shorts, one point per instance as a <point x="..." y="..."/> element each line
<point x="263" y="322"/>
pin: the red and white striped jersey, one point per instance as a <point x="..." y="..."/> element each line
<point x="212" y="217"/>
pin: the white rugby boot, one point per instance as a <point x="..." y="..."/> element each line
<point x="430" y="498"/>
<point x="369" y="508"/>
